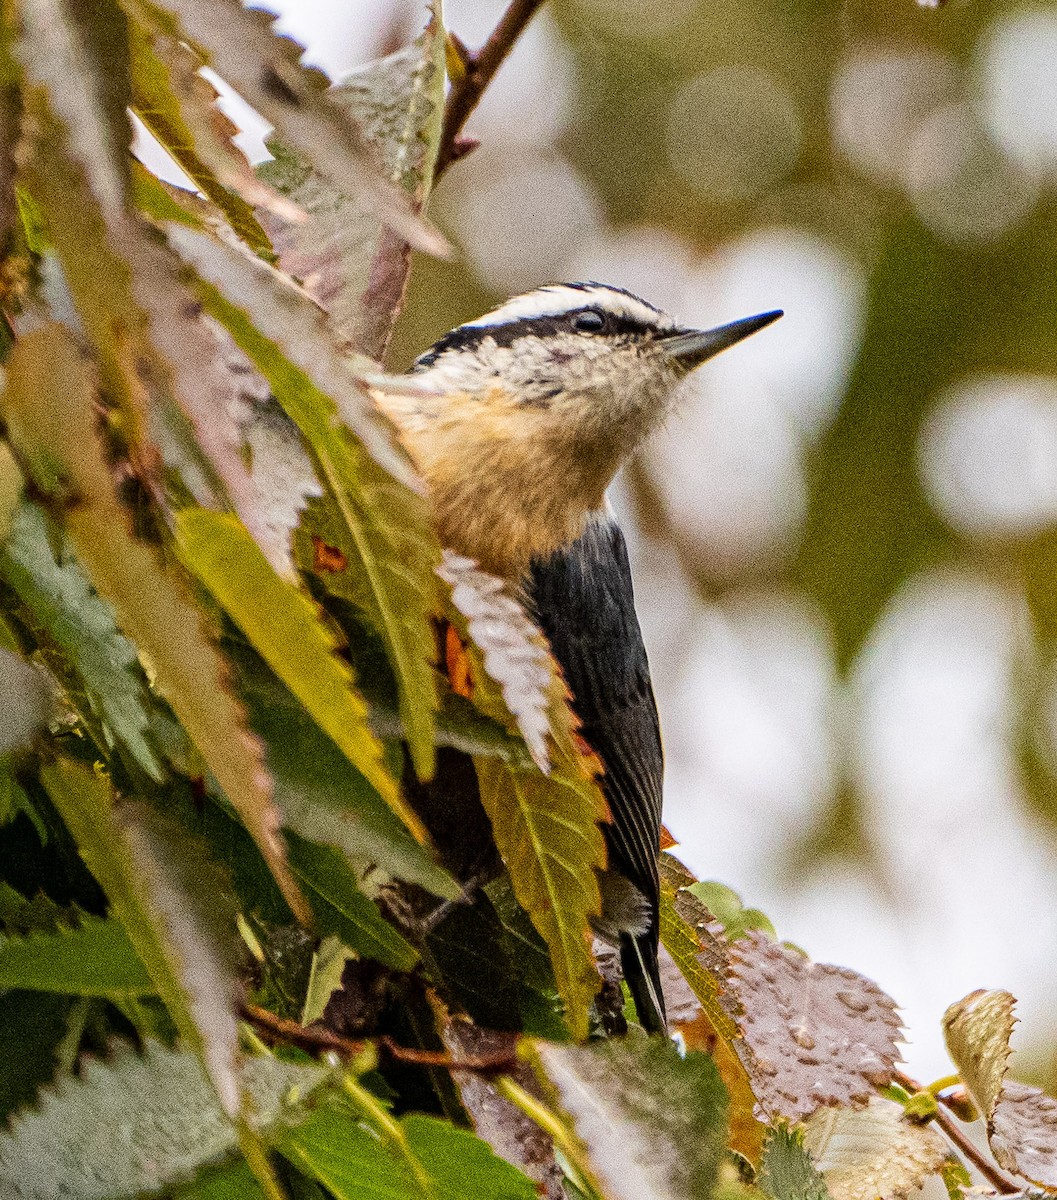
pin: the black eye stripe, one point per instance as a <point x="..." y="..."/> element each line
<point x="467" y="337"/>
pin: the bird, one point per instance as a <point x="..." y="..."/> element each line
<point x="518" y="422"/>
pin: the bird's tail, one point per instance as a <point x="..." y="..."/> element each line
<point x="638" y="957"/>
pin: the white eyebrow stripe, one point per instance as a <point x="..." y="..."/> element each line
<point x="556" y="299"/>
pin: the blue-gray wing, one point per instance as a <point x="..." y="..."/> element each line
<point x="584" y="601"/>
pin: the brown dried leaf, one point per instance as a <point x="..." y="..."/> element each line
<point x="513" y="651"/>
<point x="266" y="70"/>
<point x="977" y="1029"/>
<point x="813" y="1034"/>
<point x="1023" y="1133"/>
<point x="874" y="1151"/>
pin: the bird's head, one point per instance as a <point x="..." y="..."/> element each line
<point x="593" y="362"/>
<point x="519" y="420"/>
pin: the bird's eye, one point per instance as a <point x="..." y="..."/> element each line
<point x="589" y="321"/>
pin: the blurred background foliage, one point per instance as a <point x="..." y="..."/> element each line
<point x="846" y="542"/>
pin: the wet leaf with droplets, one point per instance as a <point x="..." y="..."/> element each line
<point x="813" y="1035"/>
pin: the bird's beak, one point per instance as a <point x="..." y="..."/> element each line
<point x="690" y="348"/>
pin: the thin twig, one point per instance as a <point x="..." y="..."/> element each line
<point x="479" y="69"/>
<point x="952" y="1128"/>
<point x="316" y="1040"/>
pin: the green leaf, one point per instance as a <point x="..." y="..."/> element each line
<point x="10" y="491"/>
<point x="49" y="403"/>
<point x="438" y="1161"/>
<point x="547" y="830"/>
<point x="652" y="1123"/>
<point x="137" y="1124"/>
<point x="384" y="528"/>
<point x="96" y="959"/>
<point x="33" y="1026"/>
<point x="64" y="610"/>
<point x="787" y="1172"/>
<point x="13" y="800"/>
<point x="727" y="907"/>
<point x="356" y="270"/>
<point x="328" y="967"/>
<point x="322" y="797"/>
<point x="231" y="1181"/>
<point x="168" y="898"/>
<point x="341" y="908"/>
<point x="285" y="628"/>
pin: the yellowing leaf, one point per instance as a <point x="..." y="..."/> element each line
<point x="977" y="1030"/>
<point x="694" y="940"/>
<point x="873" y="1152"/>
<point x="10" y="490"/>
<point x="387" y="539"/>
<point x="285" y="628"/>
<point x="176" y="105"/>
<point x="49" y="404"/>
<point x="1021" y="1120"/>
<point x="547" y="830"/>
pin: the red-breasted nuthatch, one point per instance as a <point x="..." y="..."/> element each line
<point x="518" y="423"/>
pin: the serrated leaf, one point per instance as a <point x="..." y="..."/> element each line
<point x="341" y="908"/>
<point x="49" y="405"/>
<point x="10" y="491"/>
<point x="136" y="1124"/>
<point x="389" y="542"/>
<point x="693" y="939"/>
<point x="812" y="1034"/>
<point x="64" y="610"/>
<point x="1022" y="1133"/>
<point x="977" y="1030"/>
<point x="439" y="1161"/>
<point x="176" y="105"/>
<point x="356" y="270"/>
<point x="514" y="654"/>
<point x="787" y="1172"/>
<point x="95" y="959"/>
<point x="323" y="798"/>
<point x="266" y="71"/>
<point x="328" y="967"/>
<point x="547" y="830"/>
<point x="167" y="896"/>
<point x="653" y="1123"/>
<point x="1021" y="1120"/>
<point x="875" y="1151"/>
<point x="286" y="630"/>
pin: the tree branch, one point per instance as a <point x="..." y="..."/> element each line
<point x="479" y="69"/>
<point x="987" y="1167"/>
<point x="316" y="1040"/>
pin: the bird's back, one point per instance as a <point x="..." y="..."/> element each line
<point x="583" y="599"/>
